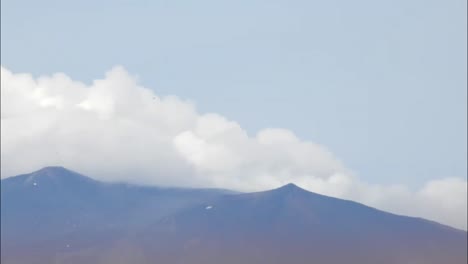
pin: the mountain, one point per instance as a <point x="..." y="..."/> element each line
<point x="291" y="225"/>
<point x="59" y="216"/>
<point x="54" y="207"/>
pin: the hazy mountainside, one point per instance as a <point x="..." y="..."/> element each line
<point x="291" y="225"/>
<point x="67" y="209"/>
<point x="58" y="216"/>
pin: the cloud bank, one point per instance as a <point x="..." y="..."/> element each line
<point x="117" y="130"/>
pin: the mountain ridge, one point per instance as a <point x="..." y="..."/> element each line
<point x="75" y="218"/>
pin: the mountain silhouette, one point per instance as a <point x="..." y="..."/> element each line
<point x="59" y="216"/>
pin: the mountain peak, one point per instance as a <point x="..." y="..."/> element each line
<point x="53" y="169"/>
<point x="55" y="173"/>
<point x="291" y="187"/>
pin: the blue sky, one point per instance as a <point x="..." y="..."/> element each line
<point x="383" y="84"/>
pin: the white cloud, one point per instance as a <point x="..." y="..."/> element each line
<point x="116" y="130"/>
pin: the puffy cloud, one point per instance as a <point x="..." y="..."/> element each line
<point x="116" y="130"/>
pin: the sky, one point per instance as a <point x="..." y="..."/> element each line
<point x="363" y="100"/>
